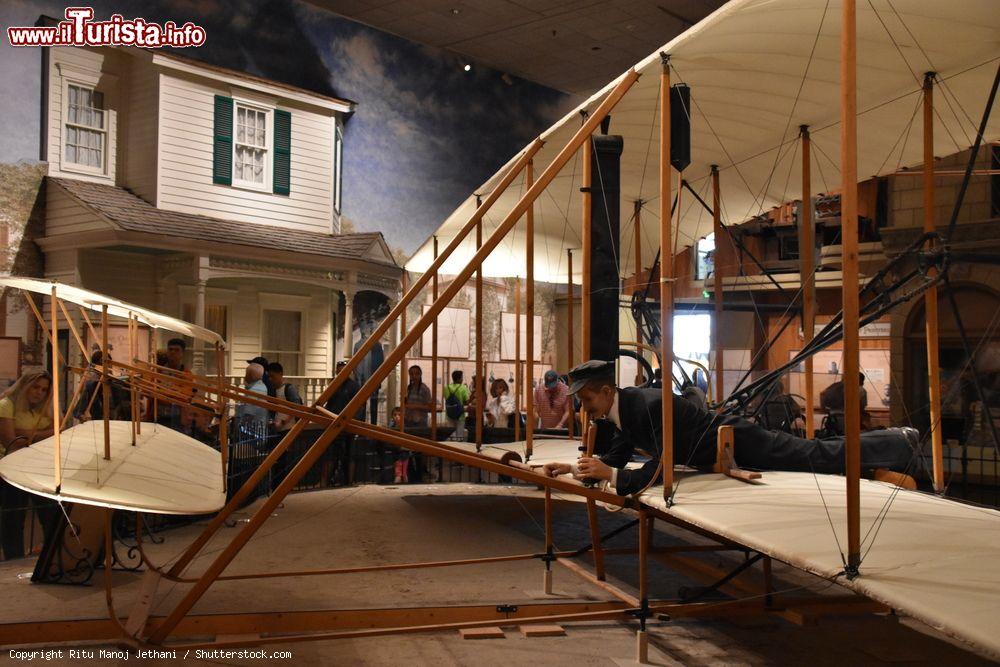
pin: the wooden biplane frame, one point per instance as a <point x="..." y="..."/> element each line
<point x="182" y="629"/>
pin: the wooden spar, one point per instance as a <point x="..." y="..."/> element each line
<point x="807" y="275"/>
<point x="850" y="287"/>
<point x="587" y="201"/>
<point x="56" y="436"/>
<point x="589" y="435"/>
<point x="570" y="295"/>
<point x="529" y="303"/>
<point x="72" y="329"/>
<point x="717" y="279"/>
<point x="642" y="640"/>
<point x="518" y="383"/>
<point x="131" y="355"/>
<point x="931" y="295"/>
<point x="138" y="394"/>
<point x="404" y="377"/>
<point x="480" y="369"/>
<point x="316" y="450"/>
<point x="637" y="216"/>
<point x="105" y="380"/>
<point x="223" y="413"/>
<point x="547" y="576"/>
<point x="666" y="286"/>
<point x="434" y="350"/>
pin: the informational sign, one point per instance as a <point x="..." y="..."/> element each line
<point x="453" y="334"/>
<point x="870" y="330"/>
<point x="508" y="336"/>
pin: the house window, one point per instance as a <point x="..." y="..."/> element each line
<point x="338" y="160"/>
<point x="704" y="257"/>
<point x="86" y="131"/>
<point x="282" y="339"/>
<point x="250" y="147"/>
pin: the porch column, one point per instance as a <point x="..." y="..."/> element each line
<point x="348" y="322"/>
<point x="198" y="354"/>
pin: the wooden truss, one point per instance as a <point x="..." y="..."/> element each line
<point x="181" y="628"/>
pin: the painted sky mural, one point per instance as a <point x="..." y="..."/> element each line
<point x="425" y="133"/>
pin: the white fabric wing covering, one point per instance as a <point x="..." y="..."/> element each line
<point x="166" y="472"/>
<point x="116" y="308"/>
<point x="931" y="558"/>
<point x="753" y="83"/>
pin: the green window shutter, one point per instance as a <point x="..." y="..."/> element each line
<point x="282" y="152"/>
<point x="222" y="157"/>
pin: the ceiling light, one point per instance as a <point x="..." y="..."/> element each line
<point x="456" y="10"/>
<point x="467" y="67"/>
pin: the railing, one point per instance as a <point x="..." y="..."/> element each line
<point x="310" y="387"/>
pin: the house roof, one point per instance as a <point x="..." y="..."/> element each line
<point x="131" y="213"/>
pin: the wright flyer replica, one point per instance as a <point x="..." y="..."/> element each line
<point x="840" y="77"/>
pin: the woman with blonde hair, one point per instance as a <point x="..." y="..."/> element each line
<point x="25" y="418"/>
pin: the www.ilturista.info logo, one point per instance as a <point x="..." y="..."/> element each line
<point x="79" y="29"/>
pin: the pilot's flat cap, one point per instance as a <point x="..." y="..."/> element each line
<point x="595" y="369"/>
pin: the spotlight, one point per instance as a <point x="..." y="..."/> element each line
<point x="467" y="67"/>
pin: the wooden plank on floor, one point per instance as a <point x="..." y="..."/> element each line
<point x="482" y="633"/>
<point x="543" y="631"/>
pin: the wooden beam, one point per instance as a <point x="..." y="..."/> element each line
<point x="404" y="377"/>
<point x="849" y="234"/>
<point x="105" y="383"/>
<point x="223" y="413"/>
<point x="434" y="351"/>
<point x="720" y="355"/>
<point x="931" y="295"/>
<point x="589" y="434"/>
<point x="666" y="285"/>
<point x="807" y="277"/>
<point x="642" y="640"/>
<point x="586" y="184"/>
<point x="56" y="436"/>
<point x="480" y="387"/>
<point x="637" y="218"/>
<point x="570" y="296"/>
<point x="518" y="380"/>
<point x="529" y="303"/>
<point x="547" y="576"/>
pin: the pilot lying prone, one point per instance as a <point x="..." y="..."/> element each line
<point x="634" y="423"/>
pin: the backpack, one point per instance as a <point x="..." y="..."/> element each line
<point x="452" y="406"/>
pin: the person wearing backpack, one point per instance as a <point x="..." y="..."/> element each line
<point x="456" y="395"/>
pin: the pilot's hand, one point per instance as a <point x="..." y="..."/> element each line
<point x="556" y="469"/>
<point x="593" y="468"/>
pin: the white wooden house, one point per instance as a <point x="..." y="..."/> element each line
<point x="205" y="193"/>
